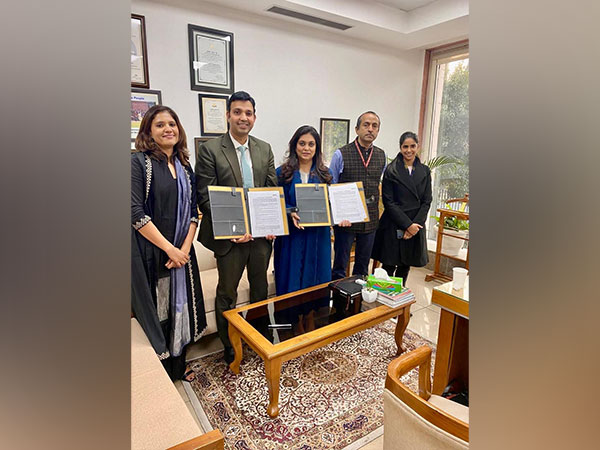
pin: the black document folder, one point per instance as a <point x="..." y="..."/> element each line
<point x="312" y="201"/>
<point x="228" y="211"/>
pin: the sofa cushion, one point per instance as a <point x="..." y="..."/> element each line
<point x="206" y="258"/>
<point x="457" y="410"/>
<point x="405" y="429"/>
<point x="159" y="416"/>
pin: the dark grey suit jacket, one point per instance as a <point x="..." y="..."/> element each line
<point x="218" y="165"/>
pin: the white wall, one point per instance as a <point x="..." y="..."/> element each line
<point x="294" y="73"/>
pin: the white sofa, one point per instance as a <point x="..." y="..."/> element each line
<point x="207" y="265"/>
<point x="159" y="417"/>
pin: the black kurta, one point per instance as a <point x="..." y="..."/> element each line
<point x="406" y="199"/>
<point x="154" y="197"/>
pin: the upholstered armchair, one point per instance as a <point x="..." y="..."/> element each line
<point x="422" y="421"/>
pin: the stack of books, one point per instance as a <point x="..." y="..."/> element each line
<point x="395" y="299"/>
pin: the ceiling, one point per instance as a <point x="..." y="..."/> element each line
<point x="405" y="5"/>
<point x="394" y="24"/>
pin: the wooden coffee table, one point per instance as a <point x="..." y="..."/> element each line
<point x="330" y="325"/>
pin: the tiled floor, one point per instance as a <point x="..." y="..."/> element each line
<point x="424" y="321"/>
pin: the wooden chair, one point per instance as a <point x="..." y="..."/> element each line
<point x="455" y="207"/>
<point x="213" y="440"/>
<point x="423" y="420"/>
<point x="458" y="204"/>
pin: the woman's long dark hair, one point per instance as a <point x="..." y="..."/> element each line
<point x="144" y="142"/>
<point x="291" y="164"/>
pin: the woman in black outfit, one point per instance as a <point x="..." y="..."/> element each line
<point x="401" y="240"/>
<point x="166" y="294"/>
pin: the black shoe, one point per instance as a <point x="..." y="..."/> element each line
<point x="229" y="355"/>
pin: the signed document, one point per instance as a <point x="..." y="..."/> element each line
<point x="348" y="202"/>
<point x="266" y="207"/>
<point x="312" y="201"/>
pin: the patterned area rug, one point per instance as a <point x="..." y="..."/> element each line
<point x="329" y="398"/>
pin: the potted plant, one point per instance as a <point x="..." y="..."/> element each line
<point x="458" y="227"/>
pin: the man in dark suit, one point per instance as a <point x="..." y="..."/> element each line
<point x="235" y="159"/>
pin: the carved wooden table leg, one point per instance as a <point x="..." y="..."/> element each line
<point x="236" y="342"/>
<point x="273" y="372"/>
<point x="401" y="325"/>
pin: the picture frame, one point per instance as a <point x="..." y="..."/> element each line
<point x="197" y="142"/>
<point x="213" y="114"/>
<point x="139" y="53"/>
<point x="335" y="133"/>
<point x="141" y="101"/>
<point x="211" y="60"/>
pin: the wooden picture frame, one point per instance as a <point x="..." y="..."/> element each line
<point x="335" y="133"/>
<point x="211" y="60"/>
<point x="139" y="53"/>
<point x="213" y="114"/>
<point x="141" y="101"/>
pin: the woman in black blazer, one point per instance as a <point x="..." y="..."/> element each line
<point x="401" y="240"/>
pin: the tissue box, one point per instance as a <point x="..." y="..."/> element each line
<point x="385" y="285"/>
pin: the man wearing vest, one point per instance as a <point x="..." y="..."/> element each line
<point x="359" y="160"/>
<point x="236" y="159"/>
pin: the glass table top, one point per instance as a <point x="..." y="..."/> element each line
<point x="461" y="294"/>
<point x="294" y="315"/>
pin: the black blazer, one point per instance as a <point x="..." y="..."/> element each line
<point x="406" y="200"/>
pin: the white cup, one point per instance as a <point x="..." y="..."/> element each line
<point x="369" y="296"/>
<point x="459" y="275"/>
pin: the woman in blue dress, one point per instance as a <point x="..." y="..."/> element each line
<point x="303" y="258"/>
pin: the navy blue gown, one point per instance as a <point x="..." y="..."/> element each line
<point x="303" y="258"/>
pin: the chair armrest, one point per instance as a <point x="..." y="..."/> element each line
<point x="420" y="357"/>
<point x="213" y="440"/>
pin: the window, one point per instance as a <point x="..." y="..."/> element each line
<point x="444" y="126"/>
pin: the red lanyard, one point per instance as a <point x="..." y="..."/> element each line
<point x="366" y="164"/>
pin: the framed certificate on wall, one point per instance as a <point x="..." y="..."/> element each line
<point x="213" y="117"/>
<point x="139" y="53"/>
<point x="211" y="59"/>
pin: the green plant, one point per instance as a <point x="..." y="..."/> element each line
<point x="453" y="223"/>
<point x="438" y="161"/>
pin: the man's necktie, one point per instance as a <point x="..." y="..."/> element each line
<point x="246" y="170"/>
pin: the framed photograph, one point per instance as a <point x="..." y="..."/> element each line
<point x="197" y="142"/>
<point x="139" y="53"/>
<point x="213" y="118"/>
<point x="211" y="60"/>
<point x="335" y="133"/>
<point x="141" y="101"/>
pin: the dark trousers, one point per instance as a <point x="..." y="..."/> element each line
<point x="255" y="256"/>
<point x="342" y="246"/>
<point x="401" y="271"/>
